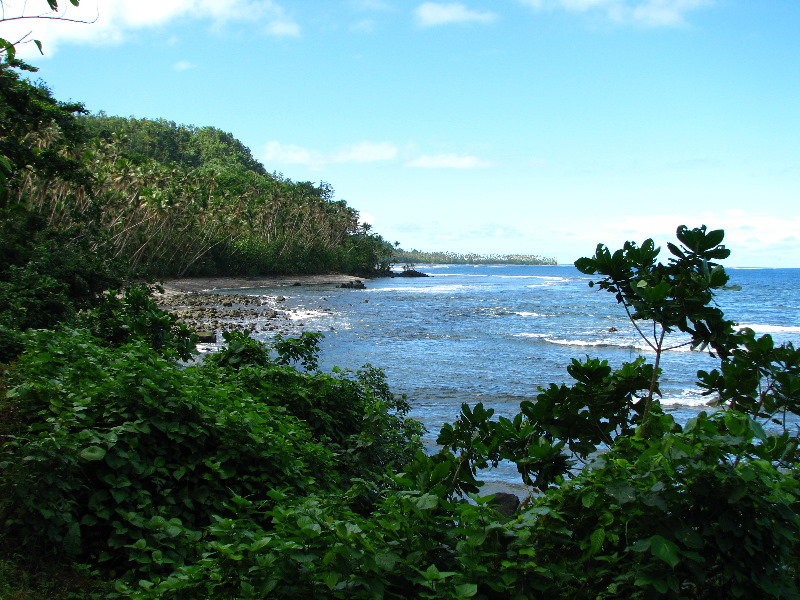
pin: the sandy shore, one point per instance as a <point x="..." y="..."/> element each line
<point x="203" y="284"/>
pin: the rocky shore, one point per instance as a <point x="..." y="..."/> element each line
<point x="209" y="305"/>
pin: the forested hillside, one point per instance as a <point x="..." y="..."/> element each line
<point x="172" y="200"/>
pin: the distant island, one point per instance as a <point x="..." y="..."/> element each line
<point x="453" y="258"/>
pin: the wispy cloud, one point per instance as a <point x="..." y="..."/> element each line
<point x="371" y="5"/>
<point x="360" y="152"/>
<point x="746" y="232"/>
<point x="431" y="14"/>
<point x="447" y="161"/>
<point x="652" y="13"/>
<point x="183" y="65"/>
<point x="113" y="21"/>
<point x="364" y="152"/>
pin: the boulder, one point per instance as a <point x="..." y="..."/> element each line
<point x="410" y="273"/>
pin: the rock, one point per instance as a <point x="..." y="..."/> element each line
<point x="353" y="285"/>
<point x="206" y="337"/>
<point x="504" y="503"/>
<point x="410" y="273"/>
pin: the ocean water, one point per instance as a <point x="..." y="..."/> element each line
<point x="494" y="334"/>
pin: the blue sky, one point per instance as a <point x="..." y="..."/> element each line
<point x="510" y="126"/>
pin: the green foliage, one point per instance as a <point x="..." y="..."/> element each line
<point x="132" y="314"/>
<point x="182" y="200"/>
<point x="696" y="513"/>
<point x="676" y="295"/>
<point x="168" y="142"/>
<point x="413" y="545"/>
<point x="353" y="414"/>
<point x="757" y="377"/>
<point x="36" y="132"/>
<point x="46" y="276"/>
<point x="118" y="456"/>
<point x="129" y="456"/>
<point x="41" y="581"/>
<point x="241" y="350"/>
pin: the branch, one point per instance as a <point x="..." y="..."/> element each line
<point x="52" y="18"/>
<point x="636" y="326"/>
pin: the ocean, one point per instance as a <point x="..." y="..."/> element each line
<point x="495" y="333"/>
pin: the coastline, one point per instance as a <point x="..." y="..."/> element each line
<point x="210" y="284"/>
<point x="209" y="306"/>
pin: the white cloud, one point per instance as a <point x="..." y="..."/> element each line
<point x="664" y="12"/>
<point x="430" y="14"/>
<point x="447" y="161"/>
<point x="371" y="5"/>
<point x="112" y="21"/>
<point x="653" y="13"/>
<point x="755" y="239"/>
<point x="275" y="152"/>
<point x="183" y="65"/>
<point x="361" y="152"/>
<point x="365" y="217"/>
<point x="365" y="152"/>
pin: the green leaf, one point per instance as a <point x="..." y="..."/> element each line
<point x="331" y="578"/>
<point x="621" y="491"/>
<point x="92" y="453"/>
<point x="386" y="560"/>
<point x="596" y="540"/>
<point x="466" y="590"/>
<point x="665" y="550"/>
<point x="426" y="502"/>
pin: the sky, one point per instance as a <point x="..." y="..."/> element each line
<point x="505" y="126"/>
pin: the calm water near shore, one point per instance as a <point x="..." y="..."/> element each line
<point x="493" y="334"/>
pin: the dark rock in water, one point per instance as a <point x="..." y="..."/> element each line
<point x="504" y="503"/>
<point x="353" y="285"/>
<point x="410" y="273"/>
<point x="206" y="337"/>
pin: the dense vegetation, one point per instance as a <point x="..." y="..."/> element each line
<point x="253" y="474"/>
<point x="454" y="258"/>
<point x="128" y="471"/>
<point x="168" y="200"/>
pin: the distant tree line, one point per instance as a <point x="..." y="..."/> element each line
<point x="454" y="258"/>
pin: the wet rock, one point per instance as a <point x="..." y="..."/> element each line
<point x="409" y="273"/>
<point x="504" y="503"/>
